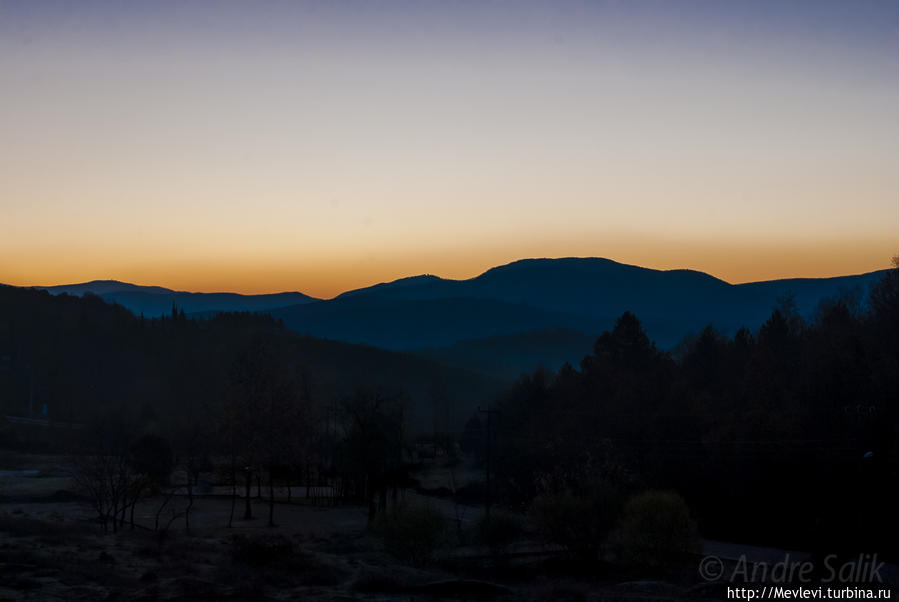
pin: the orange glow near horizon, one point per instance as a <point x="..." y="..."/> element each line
<point x="325" y="146"/>
<point x="735" y="263"/>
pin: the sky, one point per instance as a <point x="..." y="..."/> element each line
<point x="323" y="146"/>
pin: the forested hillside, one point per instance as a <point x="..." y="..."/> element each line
<point x="81" y="357"/>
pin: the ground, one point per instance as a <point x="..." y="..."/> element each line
<point x="52" y="548"/>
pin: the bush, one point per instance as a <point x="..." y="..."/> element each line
<point x="578" y="523"/>
<point x="656" y="531"/>
<point x="260" y="550"/>
<point x="498" y="532"/>
<point x="412" y="532"/>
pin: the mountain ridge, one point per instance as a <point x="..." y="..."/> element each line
<point x="575" y="293"/>
<point x="582" y="294"/>
<point x="156" y="300"/>
<point x="101" y="286"/>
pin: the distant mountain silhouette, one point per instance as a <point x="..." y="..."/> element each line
<point x="154" y="300"/>
<point x="582" y="294"/>
<point x="388" y="289"/>
<point x="101" y="287"/>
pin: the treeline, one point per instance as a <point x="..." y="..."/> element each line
<point x="75" y="359"/>
<point x="70" y="359"/>
<point x="784" y="436"/>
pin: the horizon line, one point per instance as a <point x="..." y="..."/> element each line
<point x="478" y="274"/>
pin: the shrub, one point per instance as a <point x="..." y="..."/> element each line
<point x="412" y="532"/>
<point x="577" y="523"/>
<point x="656" y="531"/>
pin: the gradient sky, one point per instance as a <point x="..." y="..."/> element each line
<point x="322" y="146"/>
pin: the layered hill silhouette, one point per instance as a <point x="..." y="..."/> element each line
<point x="154" y="301"/>
<point x="518" y="313"/>
<point x="580" y="294"/>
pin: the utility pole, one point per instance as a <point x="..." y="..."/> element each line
<point x="490" y="414"/>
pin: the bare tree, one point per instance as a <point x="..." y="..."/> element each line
<point x="106" y="477"/>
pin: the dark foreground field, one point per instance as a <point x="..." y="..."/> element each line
<point x="52" y="548"/>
